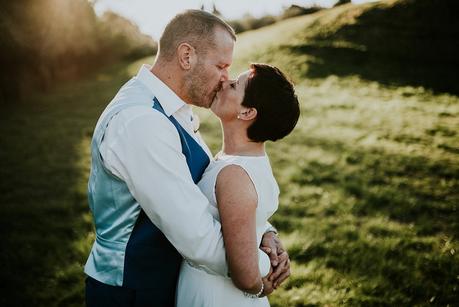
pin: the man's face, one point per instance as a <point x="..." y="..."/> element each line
<point x="205" y="78"/>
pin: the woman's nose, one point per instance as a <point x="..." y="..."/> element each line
<point x="227" y="83"/>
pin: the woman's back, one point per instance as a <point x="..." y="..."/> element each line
<point x="259" y="170"/>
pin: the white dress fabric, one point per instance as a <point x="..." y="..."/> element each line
<point x="198" y="285"/>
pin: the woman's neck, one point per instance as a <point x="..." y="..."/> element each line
<point x="236" y="142"/>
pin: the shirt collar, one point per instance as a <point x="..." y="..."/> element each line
<point x="170" y="102"/>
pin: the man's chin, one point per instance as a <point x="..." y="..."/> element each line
<point x="212" y="103"/>
<point x="206" y="103"/>
<point x="209" y="104"/>
<point x="202" y="104"/>
<point x="212" y="106"/>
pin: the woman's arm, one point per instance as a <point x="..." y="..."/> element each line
<point x="237" y="203"/>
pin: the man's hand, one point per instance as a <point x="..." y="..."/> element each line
<point x="282" y="271"/>
<point x="268" y="286"/>
<point x="280" y="261"/>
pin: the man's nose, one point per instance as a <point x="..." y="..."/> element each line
<point x="225" y="75"/>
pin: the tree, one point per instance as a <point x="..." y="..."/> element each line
<point x="341" y="2"/>
<point x="215" y="11"/>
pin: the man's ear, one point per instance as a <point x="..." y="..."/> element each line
<point x="247" y="113"/>
<point x="186" y="56"/>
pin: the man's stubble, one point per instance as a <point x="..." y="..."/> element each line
<point x="197" y="85"/>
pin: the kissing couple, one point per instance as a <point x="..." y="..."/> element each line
<point x="174" y="225"/>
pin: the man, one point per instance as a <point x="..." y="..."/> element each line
<point x="146" y="159"/>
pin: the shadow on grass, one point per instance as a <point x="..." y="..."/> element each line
<point x="407" y="189"/>
<point x="386" y="266"/>
<point x="347" y="61"/>
<point x="44" y="164"/>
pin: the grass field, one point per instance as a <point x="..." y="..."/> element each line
<point x="369" y="179"/>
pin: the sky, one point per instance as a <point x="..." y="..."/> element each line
<point x="152" y="16"/>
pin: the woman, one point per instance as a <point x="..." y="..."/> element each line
<point x="260" y="105"/>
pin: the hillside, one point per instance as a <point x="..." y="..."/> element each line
<point x="369" y="179"/>
<point x="404" y="42"/>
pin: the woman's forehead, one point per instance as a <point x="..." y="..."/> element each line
<point x="243" y="75"/>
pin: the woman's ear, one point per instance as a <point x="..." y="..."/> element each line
<point x="186" y="56"/>
<point x="247" y="113"/>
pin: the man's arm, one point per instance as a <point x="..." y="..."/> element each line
<point x="147" y="155"/>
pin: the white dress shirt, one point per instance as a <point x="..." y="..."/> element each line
<point x="142" y="148"/>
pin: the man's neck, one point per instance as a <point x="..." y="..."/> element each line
<point x="171" y="77"/>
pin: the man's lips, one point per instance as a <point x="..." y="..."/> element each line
<point x="215" y="93"/>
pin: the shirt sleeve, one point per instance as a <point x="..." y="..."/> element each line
<point x="270" y="228"/>
<point x="146" y="153"/>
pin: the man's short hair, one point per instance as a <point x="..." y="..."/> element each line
<point x="195" y="27"/>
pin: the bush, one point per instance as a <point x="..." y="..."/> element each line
<point x="248" y="22"/>
<point x="296" y="10"/>
<point x="124" y="38"/>
<point x="51" y="40"/>
<point x="341" y="2"/>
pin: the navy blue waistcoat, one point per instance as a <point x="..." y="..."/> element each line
<point x="150" y="258"/>
<point x="147" y="260"/>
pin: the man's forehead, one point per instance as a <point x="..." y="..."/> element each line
<point x="223" y="54"/>
<point x="223" y="39"/>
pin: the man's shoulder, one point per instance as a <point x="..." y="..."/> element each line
<point x="133" y="91"/>
<point x="139" y="126"/>
<point x="141" y="120"/>
<point x="138" y="102"/>
<point x="138" y="114"/>
<point x="143" y="114"/>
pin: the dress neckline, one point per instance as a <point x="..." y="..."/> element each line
<point x="223" y="155"/>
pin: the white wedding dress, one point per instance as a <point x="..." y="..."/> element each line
<point x="198" y="286"/>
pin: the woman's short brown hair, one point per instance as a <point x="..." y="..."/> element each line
<point x="273" y="96"/>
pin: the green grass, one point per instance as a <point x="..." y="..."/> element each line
<point x="46" y="227"/>
<point x="369" y="179"/>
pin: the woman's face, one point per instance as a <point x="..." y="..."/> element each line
<point x="227" y="103"/>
